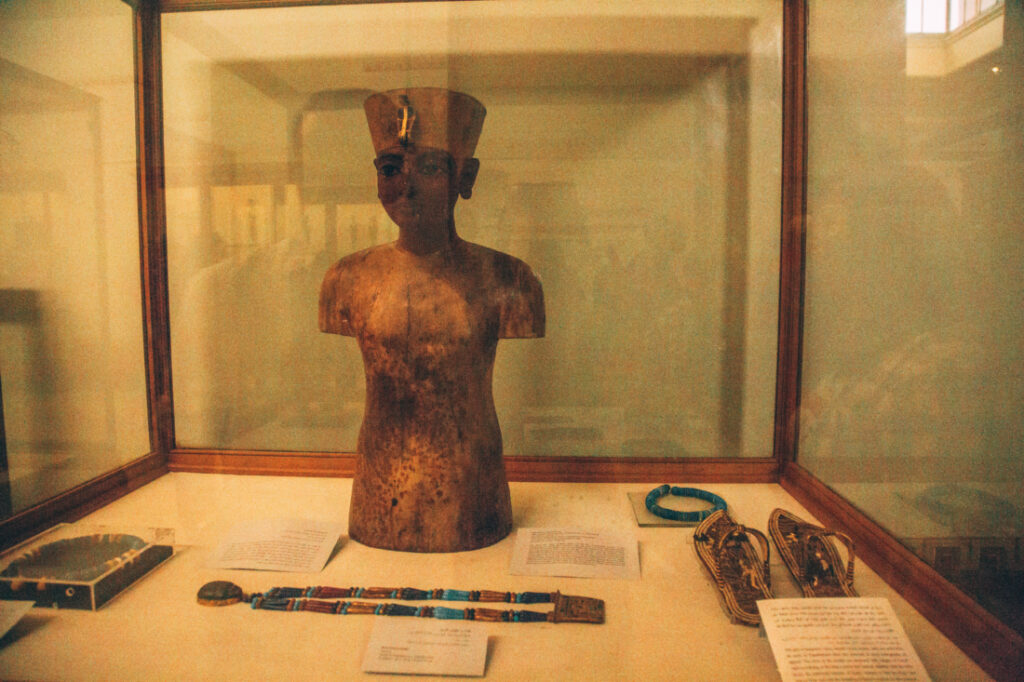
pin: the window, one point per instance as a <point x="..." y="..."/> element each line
<point x="944" y="16"/>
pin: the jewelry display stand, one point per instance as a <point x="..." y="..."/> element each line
<point x="72" y="567"/>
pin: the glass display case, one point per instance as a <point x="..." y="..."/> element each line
<point x="661" y="305"/>
<point x="911" y="385"/>
<point x="777" y="241"/>
<point x="72" y="373"/>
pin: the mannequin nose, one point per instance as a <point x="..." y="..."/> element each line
<point x="409" y="180"/>
<point x="409" y="188"/>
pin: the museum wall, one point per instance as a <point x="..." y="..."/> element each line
<point x="913" y="333"/>
<point x="633" y="163"/>
<point x="71" y="351"/>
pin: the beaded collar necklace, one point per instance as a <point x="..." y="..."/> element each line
<point x="687" y="517"/>
<point x="333" y="600"/>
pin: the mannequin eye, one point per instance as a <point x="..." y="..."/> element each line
<point x="388" y="170"/>
<point x="388" y="166"/>
<point x="428" y="169"/>
<point x="432" y="165"/>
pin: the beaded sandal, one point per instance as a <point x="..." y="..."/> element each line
<point x="740" y="573"/>
<point x="811" y="556"/>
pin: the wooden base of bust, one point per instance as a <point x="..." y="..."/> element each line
<point x="410" y="522"/>
<point x="430" y="475"/>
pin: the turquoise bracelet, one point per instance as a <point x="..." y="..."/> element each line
<point x="686" y="517"/>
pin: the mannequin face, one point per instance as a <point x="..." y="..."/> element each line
<point x="418" y="187"/>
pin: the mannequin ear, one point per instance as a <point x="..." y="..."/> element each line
<point x="467" y="177"/>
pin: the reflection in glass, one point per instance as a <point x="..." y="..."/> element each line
<point x="912" y="385"/>
<point x="946" y="16"/>
<point x="72" y="371"/>
<point x="634" y="166"/>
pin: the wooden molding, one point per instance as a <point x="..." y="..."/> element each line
<point x="198" y="5"/>
<point x="641" y="469"/>
<point x="153" y="226"/>
<point x="261" y="463"/>
<point x="518" y="468"/>
<point x="997" y="648"/>
<point x="82" y="499"/>
<point x="791" y="263"/>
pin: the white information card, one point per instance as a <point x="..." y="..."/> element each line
<point x="575" y="553"/>
<point x="840" y="638"/>
<point x="425" y="646"/>
<point x="296" y="545"/>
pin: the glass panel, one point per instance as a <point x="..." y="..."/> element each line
<point x="630" y="155"/>
<point x="71" y="351"/>
<point x="912" y="382"/>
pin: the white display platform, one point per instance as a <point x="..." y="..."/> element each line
<point x="668" y="625"/>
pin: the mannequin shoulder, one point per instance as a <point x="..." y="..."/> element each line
<point x="507" y="270"/>
<point x="365" y="263"/>
<point x="348" y="283"/>
<point x="517" y="291"/>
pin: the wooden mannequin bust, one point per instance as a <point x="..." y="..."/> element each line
<point x="427" y="311"/>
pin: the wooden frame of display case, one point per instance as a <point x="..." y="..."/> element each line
<point x="996" y="647"/>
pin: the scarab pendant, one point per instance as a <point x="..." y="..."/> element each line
<point x="220" y="593"/>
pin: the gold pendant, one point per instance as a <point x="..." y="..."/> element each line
<point x="570" y="609"/>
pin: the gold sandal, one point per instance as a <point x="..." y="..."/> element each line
<point x="740" y="573"/>
<point x="811" y="556"/>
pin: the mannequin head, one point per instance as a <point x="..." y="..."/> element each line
<point x="418" y="187"/>
<point x="424" y="139"/>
